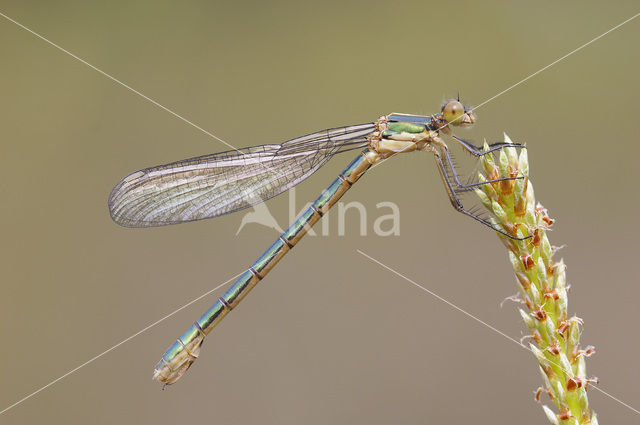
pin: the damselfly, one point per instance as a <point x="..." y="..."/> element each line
<point x="212" y="185"/>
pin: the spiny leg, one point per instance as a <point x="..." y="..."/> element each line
<point x="478" y="151"/>
<point x="457" y="204"/>
<point x="461" y="187"/>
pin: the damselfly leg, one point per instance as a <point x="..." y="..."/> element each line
<point x="455" y="187"/>
<point x="478" y="151"/>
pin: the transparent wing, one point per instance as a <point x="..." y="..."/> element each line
<point x="216" y="184"/>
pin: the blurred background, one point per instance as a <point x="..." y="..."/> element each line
<point x="329" y="336"/>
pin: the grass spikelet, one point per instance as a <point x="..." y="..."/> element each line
<point x="542" y="285"/>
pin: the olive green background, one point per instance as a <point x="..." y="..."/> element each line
<point x="329" y="337"/>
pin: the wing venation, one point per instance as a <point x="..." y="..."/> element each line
<point x="211" y="185"/>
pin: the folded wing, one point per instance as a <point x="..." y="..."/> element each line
<point x="221" y="183"/>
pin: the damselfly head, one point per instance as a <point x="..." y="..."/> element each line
<point x="455" y="113"/>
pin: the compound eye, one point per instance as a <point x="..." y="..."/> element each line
<point x="453" y="111"/>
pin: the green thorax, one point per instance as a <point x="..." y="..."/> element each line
<point x="412" y="124"/>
